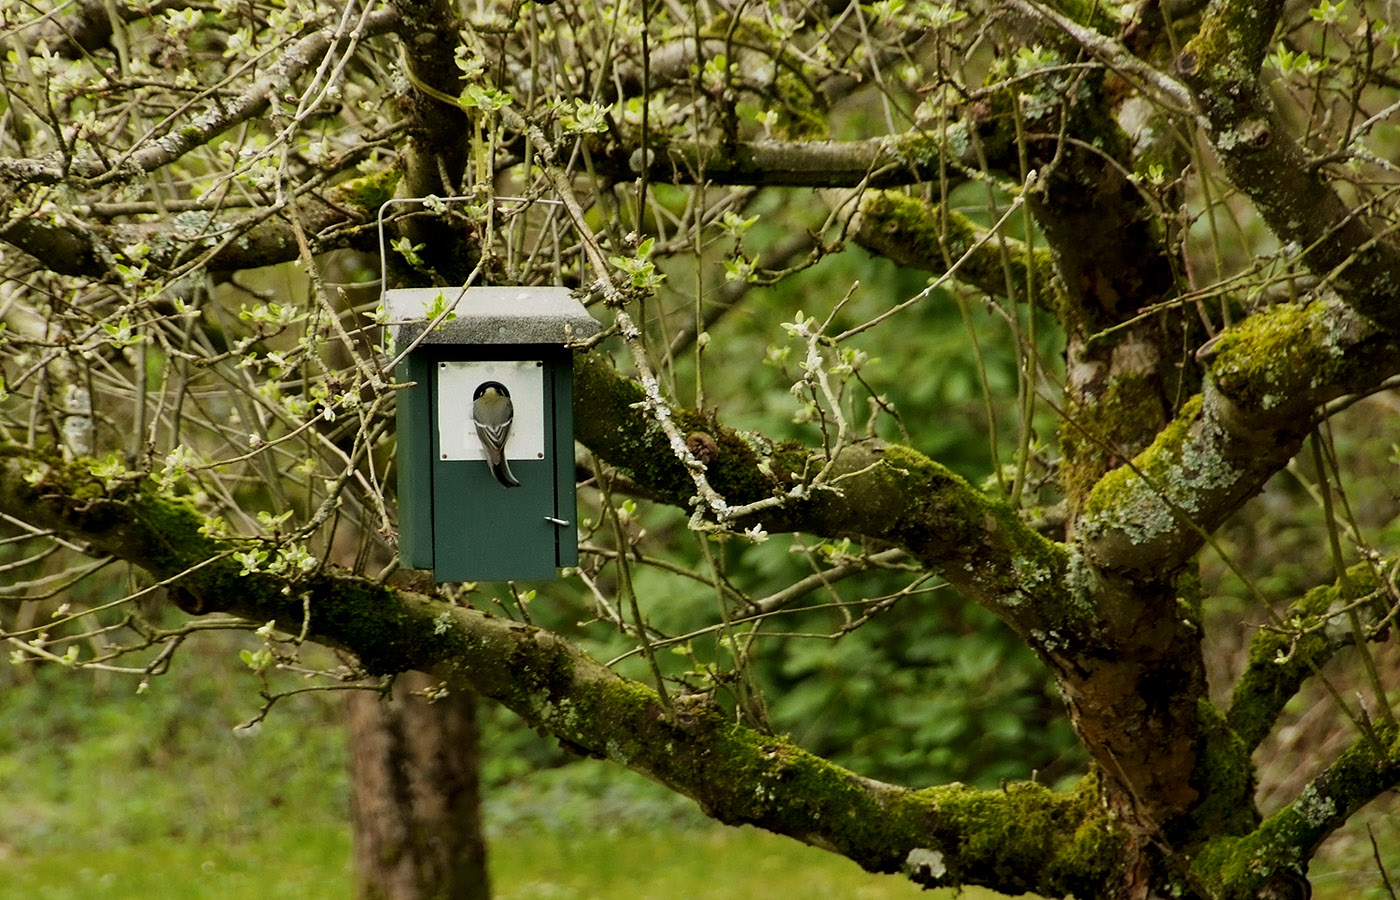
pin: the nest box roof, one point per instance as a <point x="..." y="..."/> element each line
<point x="490" y="315"/>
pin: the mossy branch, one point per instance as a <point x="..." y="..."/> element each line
<point x="1269" y="377"/>
<point x="894" y="494"/>
<point x="911" y="233"/>
<point x="1248" y="867"/>
<point x="1221" y="65"/>
<point x="1283" y="657"/>
<point x="1022" y="837"/>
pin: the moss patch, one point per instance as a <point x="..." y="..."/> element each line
<point x="1224" y="778"/>
<point x="909" y="232"/>
<point x="1135" y="499"/>
<point x="1285" y="353"/>
<point x="368" y="193"/>
<point x="1281" y="660"/>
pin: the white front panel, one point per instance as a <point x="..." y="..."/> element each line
<point x="457" y="381"/>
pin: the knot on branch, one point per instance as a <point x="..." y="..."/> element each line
<point x="703" y="447"/>
<point x="1284" y="886"/>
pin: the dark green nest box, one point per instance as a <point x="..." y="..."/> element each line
<point x="458" y="513"/>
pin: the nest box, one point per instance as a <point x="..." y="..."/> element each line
<point x="457" y="516"/>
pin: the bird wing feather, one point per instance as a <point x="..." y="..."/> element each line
<point x="493" y="438"/>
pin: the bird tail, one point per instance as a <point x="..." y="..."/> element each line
<point x="501" y="469"/>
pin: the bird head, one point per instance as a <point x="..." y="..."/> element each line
<point x="490" y="389"/>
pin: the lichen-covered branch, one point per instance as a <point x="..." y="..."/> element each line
<point x="886" y="161"/>
<point x="225" y="243"/>
<point x="1244" y="867"/>
<point x="1283" y="656"/>
<point x="1018" y="838"/>
<point x="1268" y="377"/>
<point x="1221" y="65"/>
<point x="911" y="233"/>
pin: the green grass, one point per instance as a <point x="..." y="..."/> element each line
<point x="109" y="795"/>
<point x="711" y="863"/>
<point x="106" y="795"/>
<point x="291" y="864"/>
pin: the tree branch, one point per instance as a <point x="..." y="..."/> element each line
<point x="260" y="237"/>
<point x="87" y="26"/>
<point x="213" y="121"/>
<point x="1268" y="377"/>
<point x="1221" y="65"/>
<point x="1282" y="845"/>
<point x="977" y="543"/>
<point x="1281" y="659"/>
<point x="911" y="233"/>
<point x="887" y="161"/>
<point x="1022" y="837"/>
<point x="1167" y="90"/>
<point x="441" y="131"/>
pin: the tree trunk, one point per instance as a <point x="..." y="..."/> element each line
<point x="415" y="797"/>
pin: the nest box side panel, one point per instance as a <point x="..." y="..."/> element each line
<point x="413" y="461"/>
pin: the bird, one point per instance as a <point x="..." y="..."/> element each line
<point x="492" y="413"/>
